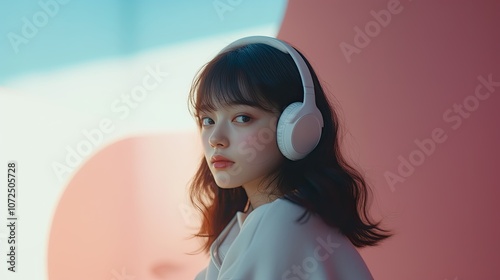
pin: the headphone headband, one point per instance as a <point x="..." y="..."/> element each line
<point x="305" y="75"/>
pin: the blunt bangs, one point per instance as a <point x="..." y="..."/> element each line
<point x="235" y="78"/>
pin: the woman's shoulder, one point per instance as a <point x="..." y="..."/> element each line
<point x="275" y="232"/>
<point x="281" y="218"/>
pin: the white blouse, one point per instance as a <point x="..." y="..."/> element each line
<point x="268" y="244"/>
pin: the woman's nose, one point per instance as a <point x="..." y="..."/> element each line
<point x="218" y="138"/>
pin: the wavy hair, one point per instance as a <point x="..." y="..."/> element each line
<point x="323" y="182"/>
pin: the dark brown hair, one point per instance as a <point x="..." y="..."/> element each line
<point x="324" y="183"/>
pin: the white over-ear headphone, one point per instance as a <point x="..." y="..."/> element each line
<point x="300" y="124"/>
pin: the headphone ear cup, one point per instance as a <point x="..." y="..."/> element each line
<point x="296" y="140"/>
<point x="285" y="129"/>
<point x="282" y="132"/>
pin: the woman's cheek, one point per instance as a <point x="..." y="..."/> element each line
<point x="256" y="147"/>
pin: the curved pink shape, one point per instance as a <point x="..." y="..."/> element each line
<point x="124" y="213"/>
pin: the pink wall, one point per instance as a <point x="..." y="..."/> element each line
<point x="401" y="86"/>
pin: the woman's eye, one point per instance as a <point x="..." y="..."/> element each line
<point x="206" y="121"/>
<point x="242" y="119"/>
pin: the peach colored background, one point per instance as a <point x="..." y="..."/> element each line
<point x="121" y="210"/>
<point x="125" y="213"/>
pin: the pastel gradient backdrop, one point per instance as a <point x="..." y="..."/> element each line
<point x="102" y="180"/>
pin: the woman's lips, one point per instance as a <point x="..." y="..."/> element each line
<point x="222" y="164"/>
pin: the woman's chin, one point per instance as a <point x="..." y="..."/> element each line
<point x="226" y="186"/>
<point x="224" y="180"/>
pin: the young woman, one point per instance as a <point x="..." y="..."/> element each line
<point x="277" y="197"/>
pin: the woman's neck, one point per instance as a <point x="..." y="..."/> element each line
<point x="260" y="193"/>
<point x="258" y="199"/>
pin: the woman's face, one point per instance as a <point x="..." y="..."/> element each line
<point x="239" y="143"/>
